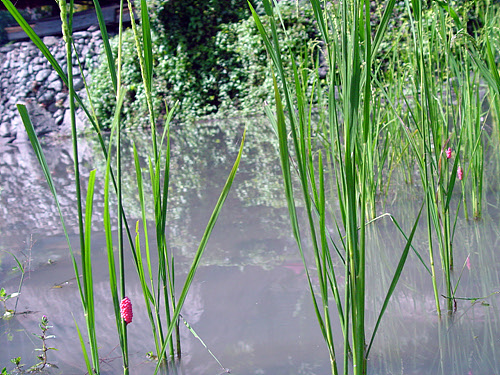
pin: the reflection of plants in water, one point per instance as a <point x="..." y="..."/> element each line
<point x="208" y="147"/>
<point x="412" y="330"/>
<point x="201" y="154"/>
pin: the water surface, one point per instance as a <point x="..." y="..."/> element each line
<point x="249" y="302"/>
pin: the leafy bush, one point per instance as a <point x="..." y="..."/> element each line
<point x="210" y="69"/>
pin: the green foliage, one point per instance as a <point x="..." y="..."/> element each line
<point x="4" y="296"/>
<point x="5" y="20"/>
<point x="193" y="24"/>
<point x="42" y="357"/>
<point x="218" y="69"/>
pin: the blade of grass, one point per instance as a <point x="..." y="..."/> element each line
<point x="201" y="248"/>
<point x="107" y="46"/>
<point x="193" y="332"/>
<point x="395" y="279"/>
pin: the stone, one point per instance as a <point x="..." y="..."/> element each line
<point x="85" y="52"/>
<point x="4" y="129"/>
<point x="78" y="84"/>
<point x="60" y="96"/>
<point x="50" y="40"/>
<point x="41" y="118"/>
<point x="81" y="123"/>
<point x="56" y="85"/>
<point x="53" y="77"/>
<point x="15" y="125"/>
<point x="52" y="108"/>
<point x="22" y="74"/>
<point x="7" y="48"/>
<point x="59" y="112"/>
<point x="26" y="75"/>
<point x="81" y="34"/>
<point x="47" y="97"/>
<point x="42" y="75"/>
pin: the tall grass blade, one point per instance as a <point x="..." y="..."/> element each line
<point x="107" y="46"/>
<point x="147" y="44"/>
<point x="201" y="248"/>
<point x="84" y="349"/>
<point x="37" y="148"/>
<point x="395" y="279"/>
<point x="87" y="274"/>
<point x="196" y="336"/>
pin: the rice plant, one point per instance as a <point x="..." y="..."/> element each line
<point x="443" y="124"/>
<point x="352" y="140"/>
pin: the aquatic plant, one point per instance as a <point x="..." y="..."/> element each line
<point x="4" y="296"/>
<point x="159" y="174"/>
<point x="44" y="327"/>
<point x="349" y="138"/>
<point x="42" y="357"/>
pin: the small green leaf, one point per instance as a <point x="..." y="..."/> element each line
<point x="16" y="360"/>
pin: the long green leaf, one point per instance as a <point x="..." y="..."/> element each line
<point x="146" y="43"/>
<point x="395" y="279"/>
<point x="107" y="46"/>
<point x="84" y="349"/>
<point x="201" y="248"/>
<point x="37" y="148"/>
<point x="87" y="273"/>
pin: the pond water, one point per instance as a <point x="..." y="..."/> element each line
<point x="249" y="302"/>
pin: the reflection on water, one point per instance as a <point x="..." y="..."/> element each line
<point x="249" y="301"/>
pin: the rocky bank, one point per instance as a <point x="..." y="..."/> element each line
<point x="27" y="77"/>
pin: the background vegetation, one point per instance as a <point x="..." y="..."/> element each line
<point x="210" y="70"/>
<point x="210" y="58"/>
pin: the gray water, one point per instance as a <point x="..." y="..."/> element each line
<point x="249" y="302"/>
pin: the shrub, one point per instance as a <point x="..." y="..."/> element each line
<point x="210" y="71"/>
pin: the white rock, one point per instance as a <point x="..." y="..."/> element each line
<point x="42" y="75"/>
<point x="56" y="85"/>
<point x="50" y="40"/>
